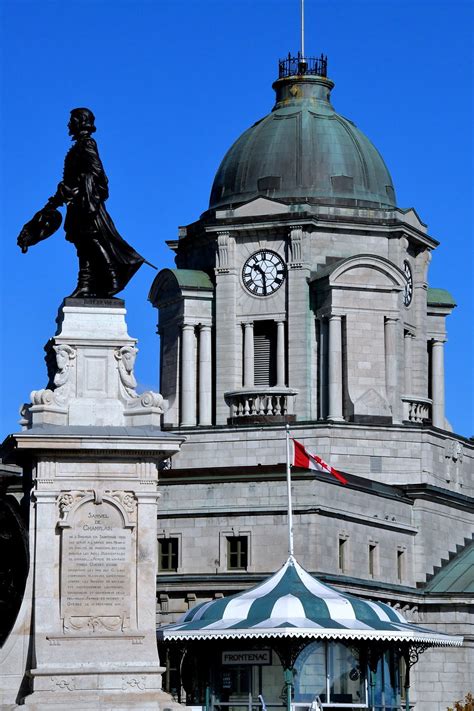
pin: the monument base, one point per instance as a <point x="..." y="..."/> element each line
<point x="118" y="691"/>
<point x="93" y="519"/>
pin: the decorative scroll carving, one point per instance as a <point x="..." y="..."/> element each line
<point x="67" y="499"/>
<point x="296" y="247"/>
<point x="63" y="684"/>
<point x="62" y="381"/>
<point x="128" y="501"/>
<point x="114" y="623"/>
<point x="223" y="251"/>
<point x="65" y="357"/>
<point x="134" y="683"/>
<point x="125" y="357"/>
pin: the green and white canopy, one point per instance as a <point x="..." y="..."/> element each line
<point x="292" y="603"/>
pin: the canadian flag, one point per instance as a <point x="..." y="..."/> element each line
<point x="305" y="459"/>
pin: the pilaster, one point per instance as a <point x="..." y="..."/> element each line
<point x="300" y="333"/>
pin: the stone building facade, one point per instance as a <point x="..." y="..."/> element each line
<point x="302" y="295"/>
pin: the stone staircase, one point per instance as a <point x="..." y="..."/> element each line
<point x="444" y="561"/>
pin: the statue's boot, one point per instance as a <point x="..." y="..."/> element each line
<point x="83" y="288"/>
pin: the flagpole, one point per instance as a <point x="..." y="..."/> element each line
<point x="302" y="30"/>
<point x="288" y="487"/>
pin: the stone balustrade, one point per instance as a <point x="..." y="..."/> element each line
<point x="255" y="404"/>
<point x="416" y="409"/>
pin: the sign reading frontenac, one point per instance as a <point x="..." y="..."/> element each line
<point x="250" y="656"/>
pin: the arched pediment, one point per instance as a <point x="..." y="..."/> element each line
<point x="367" y="271"/>
<point x="112" y="509"/>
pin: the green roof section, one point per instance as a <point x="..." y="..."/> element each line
<point x="168" y="281"/>
<point x="192" y="279"/>
<point x="440" y="297"/>
<point x="303" y="151"/>
<point x="291" y="603"/>
<point x="457" y="576"/>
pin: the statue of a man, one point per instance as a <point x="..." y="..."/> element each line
<point x="106" y="261"/>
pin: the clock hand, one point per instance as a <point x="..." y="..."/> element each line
<point x="258" y="268"/>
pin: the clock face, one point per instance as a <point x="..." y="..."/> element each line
<point x="263" y="273"/>
<point x="408" y="293"/>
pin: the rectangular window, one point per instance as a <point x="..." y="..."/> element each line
<point x="237" y="552"/>
<point x="168" y="555"/>
<point x="401" y="565"/>
<point x="372" y="559"/>
<point x="265" y="341"/>
<point x="342" y="554"/>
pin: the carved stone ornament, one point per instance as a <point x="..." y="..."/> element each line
<point x="127" y="499"/>
<point x="60" y="394"/>
<point x="296" y="246"/>
<point x="125" y="357"/>
<point x="67" y="500"/>
<point x="138" y="683"/>
<point x="454" y="450"/>
<point x="94" y="624"/>
<point x="147" y="400"/>
<point x="63" y="684"/>
<point x="223" y="251"/>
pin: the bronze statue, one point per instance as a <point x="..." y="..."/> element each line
<point x="106" y="261"/>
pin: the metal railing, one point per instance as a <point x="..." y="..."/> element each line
<point x="299" y="66"/>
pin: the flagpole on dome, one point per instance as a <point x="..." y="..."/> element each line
<point x="302" y="29"/>
<point x="288" y="487"/>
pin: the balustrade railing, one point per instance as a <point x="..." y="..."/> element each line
<point x="261" y="403"/>
<point x="416" y="409"/>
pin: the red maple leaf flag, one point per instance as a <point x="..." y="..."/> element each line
<point x="305" y="459"/>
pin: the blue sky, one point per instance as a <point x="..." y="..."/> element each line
<point x="172" y="85"/>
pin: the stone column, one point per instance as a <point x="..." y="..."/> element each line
<point x="335" y="369"/>
<point x="408" y="345"/>
<point x="391" y="380"/>
<point x="437" y="383"/>
<point x="248" y="356"/>
<point x="188" y="376"/>
<point x="205" y="376"/>
<point x="281" y="380"/>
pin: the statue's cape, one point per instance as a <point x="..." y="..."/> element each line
<point x="119" y="254"/>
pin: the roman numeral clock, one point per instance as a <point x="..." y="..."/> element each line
<point x="263" y="273"/>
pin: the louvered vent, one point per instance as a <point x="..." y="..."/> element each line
<point x="265" y="353"/>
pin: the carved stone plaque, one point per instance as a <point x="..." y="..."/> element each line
<point x="96" y="563"/>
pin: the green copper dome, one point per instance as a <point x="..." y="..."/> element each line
<point x="303" y="151"/>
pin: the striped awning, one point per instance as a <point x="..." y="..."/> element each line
<point x="292" y="603"/>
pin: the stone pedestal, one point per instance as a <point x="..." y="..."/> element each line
<point x="93" y="447"/>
